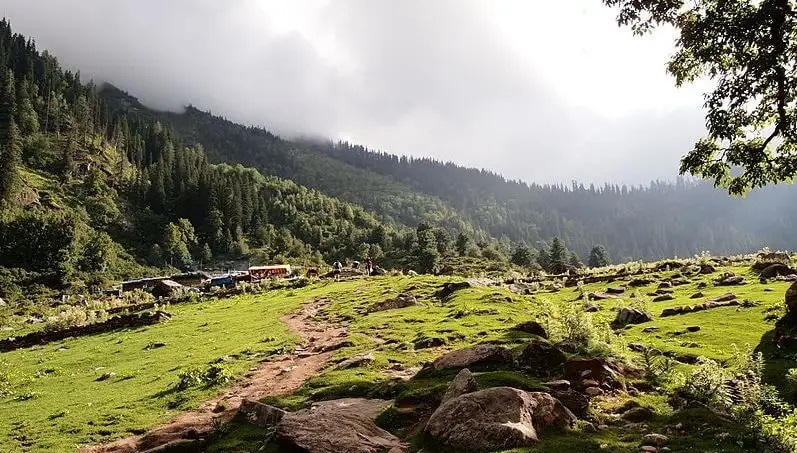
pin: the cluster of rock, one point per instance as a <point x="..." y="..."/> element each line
<point x="467" y="418"/>
<point x="112" y="323"/>
<point x="725" y="300"/>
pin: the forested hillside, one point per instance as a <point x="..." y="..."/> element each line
<point x="662" y="219"/>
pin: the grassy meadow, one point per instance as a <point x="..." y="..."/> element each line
<point x="58" y="403"/>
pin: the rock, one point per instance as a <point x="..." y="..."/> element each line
<point x="650" y="329"/>
<point x="338" y="426"/>
<point x="412" y="273"/>
<point x="541" y="357"/>
<point x="790" y="278"/>
<point x="260" y="414"/>
<point x="776" y="270"/>
<point x="637" y="414"/>
<point x="656" y="440"/>
<point x="679" y="282"/>
<point x="732" y="280"/>
<point x="692" y="328"/>
<point x="495" y="419"/>
<point x="601" y="296"/>
<point x="628" y="315"/>
<point x="598" y="369"/>
<point x="400" y="301"/>
<point x="639" y="282"/>
<point x="479" y="356"/>
<point x="697" y="295"/>
<point x="702" y="285"/>
<point x="593" y="391"/>
<point x="671" y="311"/>
<point x="353" y="362"/>
<point x="791" y="299"/>
<point x="663" y="297"/>
<point x="648" y="449"/>
<point x="615" y="290"/>
<point x="463" y="383"/>
<point x="179" y="446"/>
<point x="576" y="402"/>
<point x="2" y="302"/>
<point x="668" y="265"/>
<point x="592" y="308"/>
<point x="724" y="298"/>
<point x="450" y="288"/>
<point x="532" y="327"/>
<point x="105" y="376"/>
<point x="363" y="407"/>
<point x="663" y="285"/>
<point x="706" y="268"/>
<point x="559" y="384"/>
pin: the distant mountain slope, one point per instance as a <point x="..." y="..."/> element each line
<point x="662" y="219"/>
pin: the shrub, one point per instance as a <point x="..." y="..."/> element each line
<point x="5" y="379"/>
<point x="568" y="322"/>
<point x="214" y="374"/>
<point x="746" y="399"/>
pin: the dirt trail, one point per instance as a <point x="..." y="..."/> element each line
<point x="280" y="376"/>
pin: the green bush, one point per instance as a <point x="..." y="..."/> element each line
<point x="568" y="322"/>
<point x="214" y="374"/>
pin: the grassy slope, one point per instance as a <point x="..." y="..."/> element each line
<point x="70" y="407"/>
<point x="480" y="314"/>
<point x="238" y="324"/>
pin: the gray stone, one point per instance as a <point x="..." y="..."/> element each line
<point x="260" y="414"/>
<point x="463" y="383"/>
<point x="338" y="426"/>
<point x="496" y="418"/>
<point x="656" y="440"/>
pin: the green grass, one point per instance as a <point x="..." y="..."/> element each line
<point x="68" y="406"/>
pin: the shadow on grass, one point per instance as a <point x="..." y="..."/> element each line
<point x="777" y="362"/>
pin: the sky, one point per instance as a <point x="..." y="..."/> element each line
<point x="540" y="90"/>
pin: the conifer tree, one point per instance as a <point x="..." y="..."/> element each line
<point x="558" y="257"/>
<point x="462" y="243"/>
<point x="10" y="142"/>
<point x="599" y="257"/>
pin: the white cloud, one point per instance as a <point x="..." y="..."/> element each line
<point x="540" y="90"/>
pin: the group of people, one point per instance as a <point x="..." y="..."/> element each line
<point x="337" y="266"/>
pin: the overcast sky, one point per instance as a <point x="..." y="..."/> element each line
<point x="541" y="90"/>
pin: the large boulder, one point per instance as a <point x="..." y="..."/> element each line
<point x="775" y="270"/>
<point x="791" y="300"/>
<point x="532" y="327"/>
<point x="450" y="288"/>
<point x="598" y="369"/>
<point x="731" y="280"/>
<point x="338" y="426"/>
<point x="640" y="282"/>
<point x="481" y="356"/>
<point x="541" y="357"/>
<point x="260" y="414"/>
<point x="576" y="402"/>
<point x="463" y="383"/>
<point x="495" y="419"/>
<point x="627" y="315"/>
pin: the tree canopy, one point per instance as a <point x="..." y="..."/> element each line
<point x="747" y="48"/>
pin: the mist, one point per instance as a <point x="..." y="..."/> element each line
<point x="533" y="90"/>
